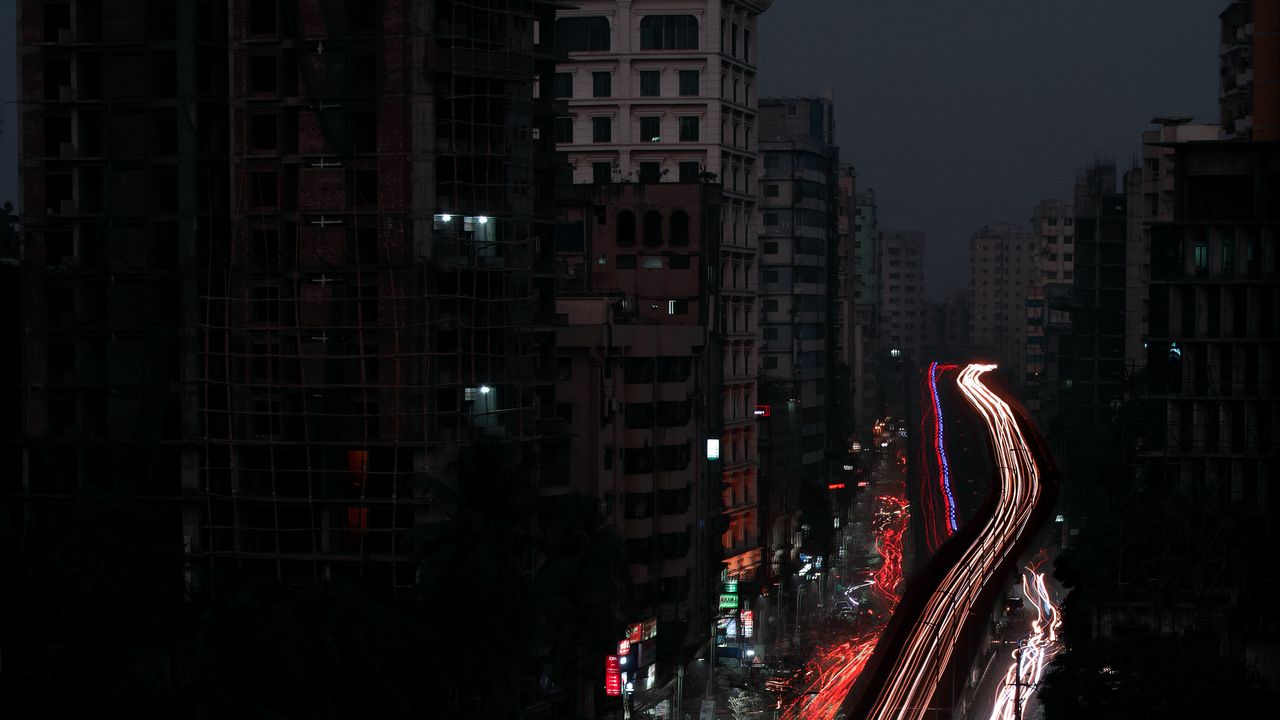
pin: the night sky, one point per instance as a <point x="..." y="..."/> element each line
<point x="957" y="113"/>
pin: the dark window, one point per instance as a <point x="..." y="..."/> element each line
<point x="626" y="262"/>
<point x="56" y="18"/>
<point x="679" y="262"/>
<point x="364" y="188"/>
<point x="362" y="73"/>
<point x="366" y="244"/>
<point x="746" y="45"/>
<point x="57" y="75"/>
<point x="771" y="218"/>
<point x="262" y="17"/>
<point x="677" y="307"/>
<point x="771" y="191"/>
<point x="688" y="129"/>
<point x="674" y="457"/>
<point x="674" y="368"/>
<point x="263" y="132"/>
<point x="673" y="502"/>
<point x="679" y="228"/>
<point x="650" y="172"/>
<point x="265" y="303"/>
<point x="57" y="131"/>
<point x="263" y="74"/>
<point x="266" y="246"/>
<point x="368" y="304"/>
<point x="689" y="172"/>
<point x="650" y="129"/>
<point x="601" y="129"/>
<point x="263" y="190"/>
<point x="638" y="460"/>
<point x="582" y="34"/>
<point x="733" y="40"/>
<point x="637" y="370"/>
<point x="650" y="83"/>
<point x="601" y="173"/>
<point x="652" y="231"/>
<point x="669" y="32"/>
<point x="639" y="415"/>
<point x="364" y="132"/>
<point x="637" y="507"/>
<point x="564" y="85"/>
<point x="689" y="85"/>
<point x="626" y="228"/>
<point x="564" y="129"/>
<point x="601" y="84"/>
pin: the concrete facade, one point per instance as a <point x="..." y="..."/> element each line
<point x="901" y="293"/>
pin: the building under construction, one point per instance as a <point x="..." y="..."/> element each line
<point x="284" y="296"/>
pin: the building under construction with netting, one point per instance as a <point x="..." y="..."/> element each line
<point x="312" y="232"/>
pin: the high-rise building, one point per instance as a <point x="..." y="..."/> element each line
<point x="670" y="93"/>
<point x="1200" y="553"/>
<point x="798" y="256"/>
<point x="281" y="270"/>
<point x="638" y="364"/>
<point x="844" y="329"/>
<point x="866" y="304"/>
<point x="1053" y="234"/>
<point x="1249" y="84"/>
<point x="124" y="176"/>
<point x="901" y="297"/>
<point x="948" y="328"/>
<point x="1004" y="261"/>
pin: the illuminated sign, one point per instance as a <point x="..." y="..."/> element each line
<point x="748" y="623"/>
<point x="835" y="486"/>
<point x="624" y="647"/>
<point x="728" y="601"/>
<point x="731" y="586"/>
<point x="763" y="411"/>
<point x="713" y="448"/>
<point x="612" y="676"/>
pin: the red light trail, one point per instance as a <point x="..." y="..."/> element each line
<point x="939" y="525"/>
<point x="836" y="667"/>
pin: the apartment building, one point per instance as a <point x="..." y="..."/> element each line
<point x="1004" y="261"/>
<point x="668" y="92"/>
<point x="901" y="296"/>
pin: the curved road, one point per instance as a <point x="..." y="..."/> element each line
<point x="909" y="675"/>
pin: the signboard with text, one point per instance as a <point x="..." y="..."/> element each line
<point x="612" y="676"/>
<point x="728" y="601"/>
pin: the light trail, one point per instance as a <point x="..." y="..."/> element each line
<point x="940" y="447"/>
<point x="1036" y="652"/>
<point x="915" y="671"/>
<point x="836" y="667"/>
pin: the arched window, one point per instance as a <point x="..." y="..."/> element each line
<point x="626" y="228"/>
<point x="669" y="32"/>
<point x="679" y="228"/>
<point x="582" y="34"/>
<point x="652" y="228"/>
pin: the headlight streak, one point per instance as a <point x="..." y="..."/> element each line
<point x="836" y="667"/>
<point x="1037" y="651"/>
<point x="915" y="672"/>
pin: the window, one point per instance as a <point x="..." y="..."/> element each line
<point x="689" y="83"/>
<point x="689" y="129"/>
<point x="265" y="302"/>
<point x="674" y="369"/>
<point x="564" y="85"/>
<point x="601" y="173"/>
<point x="771" y="218"/>
<point x="626" y="229"/>
<point x="653" y="262"/>
<point x="677" y="307"/>
<point x="364" y="132"/>
<point x="770" y="362"/>
<point x="733" y="40"/>
<point x="262" y="17"/>
<point x="1202" y="256"/>
<point x="582" y="34"/>
<point x="771" y="191"/>
<point x="626" y="262"/>
<point x="652" y="232"/>
<point x="650" y="129"/>
<point x="771" y="305"/>
<point x="601" y="84"/>
<point x="637" y="370"/>
<point x="262" y="132"/>
<point x="771" y="333"/>
<point x="366" y="244"/>
<point x="746" y="45"/>
<point x="678" y="262"/>
<point x="601" y="129"/>
<point x="771" y="248"/>
<point x="564" y="129"/>
<point x="679" y="228"/>
<point x="669" y="32"/>
<point x="266" y="246"/>
<point x="650" y="172"/>
<point x="263" y="191"/>
<point x="689" y="172"/>
<point x="650" y="83"/>
<point x="771" y="276"/>
<point x="363" y="188"/>
<point x="262" y="74"/>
